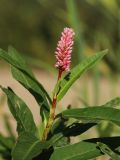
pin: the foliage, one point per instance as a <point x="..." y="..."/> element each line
<point x="57" y="145"/>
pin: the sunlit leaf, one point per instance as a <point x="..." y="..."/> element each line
<point x="77" y="71"/>
<point x="78" y="151"/>
<point x="95" y="114"/>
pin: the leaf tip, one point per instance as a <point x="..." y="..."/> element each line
<point x="105" y="51"/>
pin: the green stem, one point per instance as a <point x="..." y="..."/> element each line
<point x="50" y="120"/>
<point x="52" y="109"/>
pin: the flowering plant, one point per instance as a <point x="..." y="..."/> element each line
<point x="54" y="142"/>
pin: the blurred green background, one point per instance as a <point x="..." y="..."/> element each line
<point x="34" y="26"/>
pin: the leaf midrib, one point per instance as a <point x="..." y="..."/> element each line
<point x="69" y="158"/>
<point x="91" y="117"/>
<point x="29" y="150"/>
<point x="79" y="154"/>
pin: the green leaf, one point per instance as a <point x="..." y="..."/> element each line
<point x="106" y="150"/>
<point x="21" y="112"/>
<point x="27" y="147"/>
<point x="77" y="71"/>
<point x="84" y="150"/>
<point x="113" y="103"/>
<point x="34" y="88"/>
<point x="24" y="75"/>
<point x="15" y="59"/>
<point x="6" y="142"/>
<point x="95" y="114"/>
<point x="24" y="67"/>
<point x="78" y="151"/>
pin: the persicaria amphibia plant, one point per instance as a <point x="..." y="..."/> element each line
<point x="63" y="60"/>
<point x="50" y="141"/>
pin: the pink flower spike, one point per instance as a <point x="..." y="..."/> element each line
<point x="64" y="50"/>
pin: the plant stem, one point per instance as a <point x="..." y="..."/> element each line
<point x="52" y="110"/>
<point x="51" y="119"/>
<point x="59" y="74"/>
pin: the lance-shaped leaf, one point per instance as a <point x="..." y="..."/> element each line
<point x="78" y="151"/>
<point x="27" y="147"/>
<point x="15" y="59"/>
<point x="24" y="75"/>
<point x="34" y="88"/>
<point x="21" y="112"/>
<point x="77" y="71"/>
<point x="84" y="150"/>
<point x="31" y="84"/>
<point x="95" y="114"/>
<point x="13" y="52"/>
